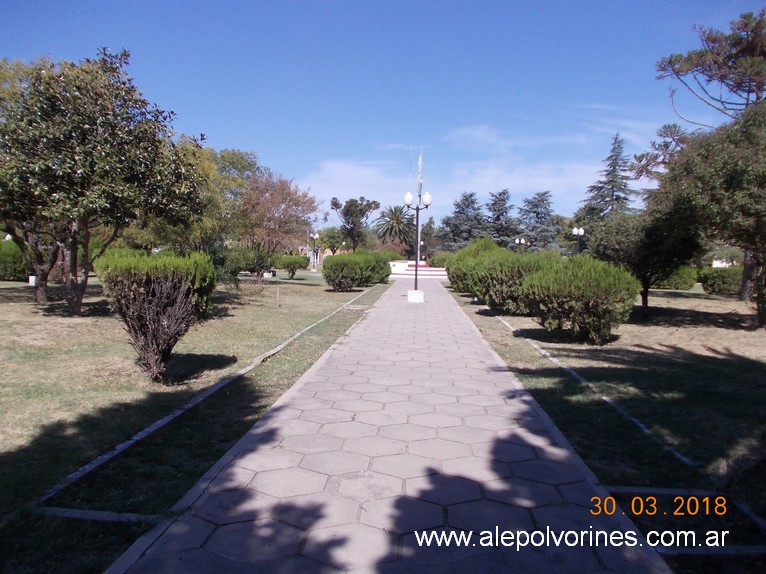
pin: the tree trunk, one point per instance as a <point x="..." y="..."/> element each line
<point x="645" y="301"/>
<point x="760" y="296"/>
<point x="76" y="280"/>
<point x="746" y="286"/>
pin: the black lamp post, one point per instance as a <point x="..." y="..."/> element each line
<point x="315" y="253"/>
<point x="424" y="200"/>
<point x="578" y="232"/>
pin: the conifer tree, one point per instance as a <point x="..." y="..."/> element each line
<point x="610" y="194"/>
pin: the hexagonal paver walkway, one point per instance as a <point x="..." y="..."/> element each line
<point x="410" y="423"/>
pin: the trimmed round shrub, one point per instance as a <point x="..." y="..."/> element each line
<point x="12" y="264"/>
<point x="344" y="272"/>
<point x="439" y="259"/>
<point x="497" y="277"/>
<point x="682" y="279"/>
<point x="721" y="280"/>
<point x="291" y="264"/>
<point x="583" y="295"/>
<point x="156" y="297"/>
<point x="458" y="265"/>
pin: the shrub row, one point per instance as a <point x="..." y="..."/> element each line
<point x="12" y="265"/>
<point x="157" y="298"/>
<point x="682" y="279"/>
<point x="721" y="280"/>
<point x="291" y="264"/>
<point x="344" y="272"/>
<point x="579" y="294"/>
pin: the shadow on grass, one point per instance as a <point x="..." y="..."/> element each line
<point x="185" y="366"/>
<point x="675" y="317"/>
<point x="147" y="478"/>
<point x="707" y="405"/>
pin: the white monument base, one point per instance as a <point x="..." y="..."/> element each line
<point x="415" y="296"/>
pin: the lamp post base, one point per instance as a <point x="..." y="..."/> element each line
<point x="415" y="296"/>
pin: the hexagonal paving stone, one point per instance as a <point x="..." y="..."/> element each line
<point x="292" y="427"/>
<point x="362" y="387"/>
<point x="443" y="489"/>
<point x="522" y="435"/>
<point x="454" y="391"/>
<point x="230" y="478"/>
<point x="578" y="493"/>
<point x="503" y="451"/>
<point x="434" y="399"/>
<point x="381" y="418"/>
<point x="475" y="468"/>
<point x="255" y="541"/>
<point x="367" y="485"/>
<point x="288" y="482"/>
<point x="435" y="420"/>
<point x="270" y="459"/>
<point x="350" y="546"/>
<point x="385" y="397"/>
<point x="309" y="403"/>
<point x="439" y="448"/>
<point x="407" y="432"/>
<point x="335" y="462"/>
<point x="234" y="506"/>
<point x="490" y="422"/>
<point x="482" y="514"/>
<point x="459" y="409"/>
<point x="412" y="389"/>
<point x="317" y="510"/>
<point x="547" y="471"/>
<point x="310" y="443"/>
<point x="405" y="465"/>
<point x="402" y="514"/>
<point x="375" y="446"/>
<point x="521" y="492"/>
<point x="358" y="406"/>
<point x="338" y="395"/>
<point x="321" y="386"/>
<point x="554" y="453"/>
<point x="350" y="429"/>
<point x="409" y="408"/>
<point x="513" y="410"/>
<point x="467" y="435"/>
<point x="482" y="400"/>
<point x="323" y="416"/>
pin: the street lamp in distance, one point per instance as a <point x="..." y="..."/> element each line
<point x="578" y="232"/>
<point x="520" y="242"/>
<point x="424" y="200"/>
<point x="315" y="253"/>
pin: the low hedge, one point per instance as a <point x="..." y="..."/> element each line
<point x="497" y="277"/>
<point x="291" y="264"/>
<point x="439" y="259"/>
<point x="721" y="280"/>
<point x="461" y="264"/>
<point x="157" y="297"/>
<point x="344" y="272"/>
<point x="583" y="295"/>
<point x="12" y="264"/>
<point x="682" y="279"/>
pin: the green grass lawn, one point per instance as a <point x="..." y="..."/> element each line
<point x="693" y="374"/>
<point x="75" y="392"/>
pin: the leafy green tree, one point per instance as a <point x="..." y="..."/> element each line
<point x="354" y="215"/>
<point x="610" y="194"/>
<point x="502" y="226"/>
<point x="430" y="236"/>
<point x="538" y="222"/>
<point x="648" y="244"/>
<point x="466" y="223"/>
<point x="331" y="238"/>
<point x="395" y="225"/>
<point x="718" y="183"/>
<point x="81" y="148"/>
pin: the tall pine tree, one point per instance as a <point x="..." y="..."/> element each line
<point x="610" y="194"/>
<point x="538" y="222"/>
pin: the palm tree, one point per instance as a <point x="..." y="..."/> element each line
<point x="395" y="224"/>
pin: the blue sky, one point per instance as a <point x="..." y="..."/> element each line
<point x="339" y="96"/>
